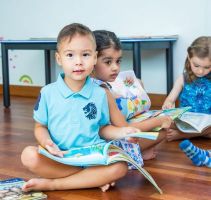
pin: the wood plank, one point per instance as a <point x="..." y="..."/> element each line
<point x="23" y="91"/>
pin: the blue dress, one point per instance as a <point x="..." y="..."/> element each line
<point x="197" y="95"/>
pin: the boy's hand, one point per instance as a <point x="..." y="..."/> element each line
<point x="53" y="149"/>
<point x="166" y="121"/>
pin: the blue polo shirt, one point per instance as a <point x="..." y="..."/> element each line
<point x="73" y="119"/>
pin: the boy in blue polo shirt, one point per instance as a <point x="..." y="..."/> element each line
<point x="72" y="112"/>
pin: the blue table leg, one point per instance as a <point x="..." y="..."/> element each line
<point x="169" y="67"/>
<point x="5" y="75"/>
<point x="47" y="67"/>
<point x="137" y="59"/>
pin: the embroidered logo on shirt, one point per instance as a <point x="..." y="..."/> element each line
<point x="90" y="111"/>
<point x="37" y="103"/>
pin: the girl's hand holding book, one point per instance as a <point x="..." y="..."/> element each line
<point x="168" y="105"/>
<point x="129" y="130"/>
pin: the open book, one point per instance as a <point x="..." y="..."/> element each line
<point x="174" y="113"/>
<point x="191" y="122"/>
<point x="11" y="189"/>
<point x="102" y="154"/>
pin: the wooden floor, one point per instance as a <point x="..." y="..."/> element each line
<point x="174" y="173"/>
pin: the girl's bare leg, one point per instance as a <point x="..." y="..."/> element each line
<point x="62" y="177"/>
<point x="175" y="134"/>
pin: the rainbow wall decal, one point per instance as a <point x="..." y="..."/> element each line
<point x="25" y="79"/>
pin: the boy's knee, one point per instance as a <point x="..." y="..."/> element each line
<point x="119" y="170"/>
<point x="29" y="157"/>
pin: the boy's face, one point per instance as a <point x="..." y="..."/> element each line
<point x="108" y="65"/>
<point x="77" y="57"/>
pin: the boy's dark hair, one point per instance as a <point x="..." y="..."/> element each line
<point x="201" y="48"/>
<point x="71" y="30"/>
<point x="106" y="39"/>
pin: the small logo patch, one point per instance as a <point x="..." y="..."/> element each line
<point x="90" y="111"/>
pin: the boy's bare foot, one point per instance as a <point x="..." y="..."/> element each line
<point x="105" y="187"/>
<point x="40" y="184"/>
<point x="149" y="154"/>
<point x="37" y="184"/>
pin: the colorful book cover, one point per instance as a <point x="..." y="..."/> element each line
<point x="11" y="189"/>
<point x="130" y="96"/>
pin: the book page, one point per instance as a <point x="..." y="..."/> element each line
<point x="185" y="127"/>
<point x="122" y="156"/>
<point x="199" y="121"/>
<point x="126" y="84"/>
<point x="91" y="155"/>
<point x="145" y="135"/>
<point x="83" y="156"/>
<point x="102" y="154"/>
<point x="144" y="116"/>
<point x="11" y="189"/>
<point x="175" y="112"/>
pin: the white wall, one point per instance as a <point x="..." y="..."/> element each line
<point x="207" y="17"/>
<point x="24" y="19"/>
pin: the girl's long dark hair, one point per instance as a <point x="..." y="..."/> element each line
<point x="105" y="40"/>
